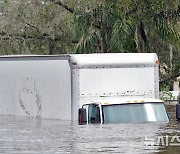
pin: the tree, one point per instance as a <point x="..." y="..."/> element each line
<point x="126" y="26"/>
<point x="98" y="27"/>
<point x="34" y="27"/>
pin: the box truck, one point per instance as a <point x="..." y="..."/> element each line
<point x="89" y="88"/>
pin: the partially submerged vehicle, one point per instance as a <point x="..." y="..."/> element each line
<point x="89" y="88"/>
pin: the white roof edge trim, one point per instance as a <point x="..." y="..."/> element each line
<point x="115" y="101"/>
<point x="113" y="59"/>
<point x="31" y="56"/>
<point x="98" y="59"/>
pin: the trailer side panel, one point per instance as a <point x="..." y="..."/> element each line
<point x="35" y="88"/>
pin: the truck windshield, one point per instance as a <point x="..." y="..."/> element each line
<point x="144" y="112"/>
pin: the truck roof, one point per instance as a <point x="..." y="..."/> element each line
<point x="95" y="60"/>
<point x="114" y="60"/>
<point x="34" y="57"/>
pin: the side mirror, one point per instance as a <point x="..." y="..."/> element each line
<point x="82" y="116"/>
<point x="178" y="112"/>
<point x="178" y="109"/>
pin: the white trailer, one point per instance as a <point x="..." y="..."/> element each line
<point x="92" y="88"/>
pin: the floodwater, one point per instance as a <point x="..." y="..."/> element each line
<point x="23" y="135"/>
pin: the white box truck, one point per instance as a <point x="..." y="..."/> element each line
<point x="89" y="88"/>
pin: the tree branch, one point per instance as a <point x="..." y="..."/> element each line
<point x="33" y="27"/>
<point x="69" y="9"/>
<point x="5" y="36"/>
<point x="58" y="2"/>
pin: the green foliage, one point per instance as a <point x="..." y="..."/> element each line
<point x="164" y="86"/>
<point x="167" y="32"/>
<point x="167" y="95"/>
<point x="128" y="26"/>
<point x="34" y="27"/>
<point x="81" y="23"/>
<point x="96" y="26"/>
<point x="101" y="25"/>
<point x="122" y="37"/>
<point x="88" y="43"/>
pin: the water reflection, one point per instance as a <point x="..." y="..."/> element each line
<point x="21" y="135"/>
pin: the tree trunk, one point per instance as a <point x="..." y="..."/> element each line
<point x="138" y="48"/>
<point x="171" y="57"/>
<point x="52" y="45"/>
<point x="104" y="48"/>
<point x="141" y="39"/>
<point x="103" y="42"/>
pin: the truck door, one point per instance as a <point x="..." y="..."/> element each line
<point x="89" y="113"/>
<point x="94" y="113"/>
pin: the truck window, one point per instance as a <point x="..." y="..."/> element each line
<point x="144" y="112"/>
<point x="94" y="113"/>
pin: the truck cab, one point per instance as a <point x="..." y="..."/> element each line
<point x="114" y="88"/>
<point x="123" y="111"/>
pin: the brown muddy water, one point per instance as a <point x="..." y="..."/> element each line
<point x="31" y="136"/>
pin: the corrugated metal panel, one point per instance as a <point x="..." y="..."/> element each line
<point x="36" y="88"/>
<point x="138" y="81"/>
